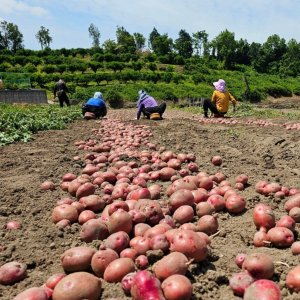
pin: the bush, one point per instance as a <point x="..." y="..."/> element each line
<point x="277" y="91"/>
<point x="252" y="96"/>
<point x="113" y="97"/>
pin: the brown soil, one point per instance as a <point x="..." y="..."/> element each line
<point x="263" y="153"/>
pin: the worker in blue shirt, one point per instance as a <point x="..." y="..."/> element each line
<point x="95" y="105"/>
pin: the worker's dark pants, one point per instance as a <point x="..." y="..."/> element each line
<point x="209" y="105"/>
<point x="147" y="111"/>
<point x="63" y="99"/>
<point x="99" y="112"/>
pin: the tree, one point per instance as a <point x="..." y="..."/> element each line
<point x="290" y="63"/>
<point x="224" y="47"/>
<point x="139" y="40"/>
<point x="184" y="44"/>
<point x="95" y="35"/>
<point x="10" y="36"/>
<point x="200" y="42"/>
<point x="270" y="54"/>
<point x="162" y="45"/>
<point x="110" y="46"/>
<point x="125" y="41"/>
<point x="153" y="35"/>
<point x="242" y="52"/>
<point x="44" y="38"/>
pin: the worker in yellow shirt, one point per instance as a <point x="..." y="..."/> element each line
<point x="219" y="103"/>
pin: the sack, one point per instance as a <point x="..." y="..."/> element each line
<point x="60" y="93"/>
<point x="155" y="116"/>
<point x="89" y="115"/>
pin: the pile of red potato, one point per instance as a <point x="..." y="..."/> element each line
<point x="257" y="122"/>
<point x="142" y="201"/>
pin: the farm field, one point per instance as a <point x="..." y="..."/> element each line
<point x="269" y="153"/>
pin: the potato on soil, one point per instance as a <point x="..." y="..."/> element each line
<point x="78" y="286"/>
<point x="118" y="268"/>
<point x="12" y="272"/>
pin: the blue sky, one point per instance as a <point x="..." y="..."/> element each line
<point x="68" y="21"/>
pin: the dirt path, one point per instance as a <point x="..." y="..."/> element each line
<point x="263" y="153"/>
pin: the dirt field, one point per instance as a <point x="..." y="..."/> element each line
<point x="263" y="153"/>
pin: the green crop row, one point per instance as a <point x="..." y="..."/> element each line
<point x="19" y="122"/>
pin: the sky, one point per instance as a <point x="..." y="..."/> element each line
<point x="68" y="20"/>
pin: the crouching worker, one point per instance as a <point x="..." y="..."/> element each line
<point x="95" y="107"/>
<point x="219" y="103"/>
<point x="149" y="107"/>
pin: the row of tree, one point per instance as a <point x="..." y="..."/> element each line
<point x="275" y="56"/>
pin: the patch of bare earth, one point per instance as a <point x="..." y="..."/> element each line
<point x="263" y="153"/>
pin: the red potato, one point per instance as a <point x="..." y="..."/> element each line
<point x="13" y="225"/>
<point x="127" y="281"/>
<point x="118" y="268"/>
<point x="183" y="214"/>
<point x="179" y="198"/>
<point x="181" y="184"/>
<point x="189" y="243"/>
<point x="242" y="178"/>
<point x="69" y="177"/>
<point x="216" y="160"/>
<point x="206" y="183"/>
<point x="294" y="201"/>
<point x="239" y="186"/>
<point x="140" y="228"/>
<point x="80" y="207"/>
<point x="217" y="201"/>
<point x="155" y="190"/>
<point x="33" y="293"/>
<point x="235" y="204"/>
<point x="263" y="216"/>
<point x="295" y="248"/>
<point x="54" y="279"/>
<point x="137" y="216"/>
<point x="141" y="193"/>
<point x="157" y="229"/>
<point x="120" y="220"/>
<point x="73" y="186"/>
<point x="85" y="216"/>
<point x="239" y="259"/>
<point x="239" y="282"/>
<point x="85" y="189"/>
<point x="77" y="258"/>
<point x="159" y="242"/>
<point x="117" y="241"/>
<point x="101" y="259"/>
<point x="140" y="244"/>
<point x="263" y="289"/>
<point x="151" y="209"/>
<point x="177" y="287"/>
<point x="78" y="286"/>
<point x="48" y="185"/>
<point x="261" y="239"/>
<point x="204" y="208"/>
<point x="200" y="195"/>
<point x="64" y="212"/>
<point x="293" y="279"/>
<point x="146" y="286"/>
<point x="286" y="221"/>
<point x="63" y="223"/>
<point x="142" y="262"/>
<point x="93" y="202"/>
<point x="259" y="265"/>
<point x="295" y="214"/>
<point x="118" y="204"/>
<point x="208" y="224"/>
<point x="93" y="229"/>
<point x="89" y="169"/>
<point x="174" y="163"/>
<point x="190" y="226"/>
<point x="173" y="263"/>
<point x="12" y="272"/>
<point x="129" y="253"/>
<point x="280" y="237"/>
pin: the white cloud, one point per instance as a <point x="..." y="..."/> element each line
<point x="14" y="6"/>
